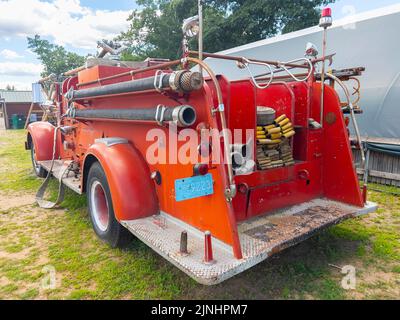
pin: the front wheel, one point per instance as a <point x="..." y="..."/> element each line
<point x="101" y="211"/>
<point x="37" y="168"/>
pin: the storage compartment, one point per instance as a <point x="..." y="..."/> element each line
<point x="274" y="143"/>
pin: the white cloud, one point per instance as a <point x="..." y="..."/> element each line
<point x="18" y="85"/>
<point x="9" y="54"/>
<point x="67" y="21"/>
<point x="16" y="69"/>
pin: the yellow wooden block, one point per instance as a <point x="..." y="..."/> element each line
<point x="276" y="136"/>
<point x="274" y="130"/>
<point x="281" y="118"/>
<point x="289" y="134"/>
<point x="288" y="126"/>
<point x="269" y="141"/>
<point x="284" y="122"/>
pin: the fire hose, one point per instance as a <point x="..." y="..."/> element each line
<point x="183" y="116"/>
<point x="46" y="204"/>
<point x="185" y="81"/>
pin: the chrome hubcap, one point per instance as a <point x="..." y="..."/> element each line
<point x="99" y="205"/>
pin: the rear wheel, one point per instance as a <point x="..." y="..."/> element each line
<point x="101" y="211"/>
<point x="37" y="168"/>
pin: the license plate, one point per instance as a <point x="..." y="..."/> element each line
<point x="193" y="187"/>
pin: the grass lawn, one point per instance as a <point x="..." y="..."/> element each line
<point x="32" y="239"/>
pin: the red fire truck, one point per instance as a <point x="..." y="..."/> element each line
<point x="123" y="128"/>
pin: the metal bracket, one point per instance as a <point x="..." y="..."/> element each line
<point x="109" y="142"/>
<point x="160" y="112"/>
<point x="172" y="81"/>
<point x="282" y="66"/>
<point x="246" y="64"/>
<point x="158" y="85"/>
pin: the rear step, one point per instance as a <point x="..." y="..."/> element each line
<point x="260" y="237"/>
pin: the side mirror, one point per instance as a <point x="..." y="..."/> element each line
<point x="311" y="50"/>
<point x="191" y="27"/>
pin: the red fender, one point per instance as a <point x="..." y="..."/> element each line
<point x="132" y="189"/>
<point x="42" y="135"/>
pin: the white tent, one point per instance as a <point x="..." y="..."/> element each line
<point x="370" y="40"/>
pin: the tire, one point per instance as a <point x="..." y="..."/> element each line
<point x="101" y="211"/>
<point x="37" y="168"/>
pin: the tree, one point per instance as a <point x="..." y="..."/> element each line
<point x="55" y="59"/>
<point x="155" y="29"/>
<point x="10" y="88"/>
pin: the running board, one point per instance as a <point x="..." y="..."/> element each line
<point x="260" y="237"/>
<point x="70" y="179"/>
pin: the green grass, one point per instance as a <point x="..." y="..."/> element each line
<point x="396" y="269"/>
<point x="86" y="268"/>
<point x="9" y="288"/>
<point x="382" y="236"/>
<point x="30" y="294"/>
<point x="330" y="289"/>
<point x="13" y="155"/>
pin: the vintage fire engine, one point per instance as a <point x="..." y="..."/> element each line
<point x="293" y="176"/>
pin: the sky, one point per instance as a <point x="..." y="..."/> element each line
<point x="78" y="24"/>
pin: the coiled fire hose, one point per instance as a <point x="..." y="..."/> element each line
<point x="46" y="204"/>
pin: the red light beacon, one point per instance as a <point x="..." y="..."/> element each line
<point x="326" y="18"/>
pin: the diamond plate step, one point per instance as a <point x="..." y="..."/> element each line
<point x="260" y="237"/>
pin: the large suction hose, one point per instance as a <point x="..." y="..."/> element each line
<point x="183" y="116"/>
<point x="185" y="81"/>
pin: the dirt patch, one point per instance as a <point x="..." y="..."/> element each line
<point x="8" y="202"/>
<point x="15" y="256"/>
<point x="373" y="284"/>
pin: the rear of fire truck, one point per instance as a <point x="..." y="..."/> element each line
<point x="269" y="163"/>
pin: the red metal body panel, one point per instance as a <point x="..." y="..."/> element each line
<point x="99" y="72"/>
<point x="42" y="135"/>
<point x="277" y="188"/>
<point x="340" y="177"/>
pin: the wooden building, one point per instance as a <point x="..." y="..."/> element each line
<point x="14" y="102"/>
<point x="382" y="161"/>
